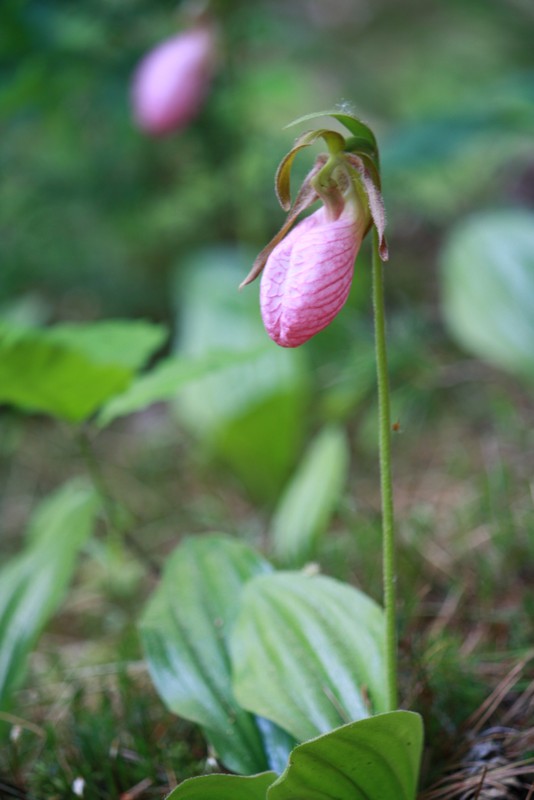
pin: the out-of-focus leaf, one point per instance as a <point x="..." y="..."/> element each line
<point x="128" y="343"/>
<point x="185" y="631"/>
<point x="37" y="374"/>
<point x="70" y="370"/>
<point x="376" y="758"/>
<point x="488" y="288"/>
<point x="306" y="651"/>
<point x="444" y="162"/>
<point x="504" y="110"/>
<point x="311" y="497"/>
<point x="224" y="787"/>
<point x="167" y="379"/>
<point x="250" y="415"/>
<point x="33" y="584"/>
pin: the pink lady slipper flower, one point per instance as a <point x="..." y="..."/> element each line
<point x="172" y="81"/>
<point x="307" y="277"/>
<point x="307" y="272"/>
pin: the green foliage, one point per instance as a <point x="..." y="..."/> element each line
<point x="250" y="415"/>
<point x="225" y="636"/>
<point x="303" y="649"/>
<point x="37" y="374"/>
<point x="362" y="142"/>
<point x="311" y="497"/>
<point x="33" y="584"/>
<point x="185" y="631"/>
<point x="372" y="759"/>
<point x="127" y="342"/>
<point x="488" y="288"/>
<point x="69" y="370"/>
<point x="224" y="787"/>
<point x="167" y="379"/>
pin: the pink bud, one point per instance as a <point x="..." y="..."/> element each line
<point x="308" y="275"/>
<point x="171" y="82"/>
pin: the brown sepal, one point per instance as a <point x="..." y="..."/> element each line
<point x="376" y="203"/>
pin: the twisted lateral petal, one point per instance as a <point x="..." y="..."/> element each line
<point x="308" y="275"/>
<point x="171" y="82"/>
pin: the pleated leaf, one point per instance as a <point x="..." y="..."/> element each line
<point x="185" y="631"/>
<point x="307" y="651"/>
<point x="224" y="787"/>
<point x="374" y="759"/>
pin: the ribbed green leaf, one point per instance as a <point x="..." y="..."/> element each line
<point x="33" y="584"/>
<point x="307" y="651"/>
<point x="373" y="759"/>
<point x="185" y="631"/>
<point x="224" y="787"/>
<point x="488" y="288"/>
<point x="311" y="497"/>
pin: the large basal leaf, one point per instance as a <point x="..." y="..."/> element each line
<point x="374" y="759"/>
<point x="33" y="584"/>
<point x="167" y="380"/>
<point x="488" y="288"/>
<point x="307" y="651"/>
<point x="277" y="743"/>
<point x="224" y="787"/>
<point x="310" y="499"/>
<point x="185" y="631"/>
<point x="250" y="415"/>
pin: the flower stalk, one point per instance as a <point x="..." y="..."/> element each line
<point x="386" y="485"/>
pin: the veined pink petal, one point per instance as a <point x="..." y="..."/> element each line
<point x="171" y="82"/>
<point x="307" y="277"/>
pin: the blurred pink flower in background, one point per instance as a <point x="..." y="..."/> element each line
<point x="308" y="275"/>
<point x="172" y="81"/>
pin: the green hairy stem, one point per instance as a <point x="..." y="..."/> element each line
<point x="384" y="440"/>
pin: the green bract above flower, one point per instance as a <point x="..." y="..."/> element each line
<point x="308" y="270"/>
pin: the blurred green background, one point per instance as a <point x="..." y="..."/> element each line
<point x="97" y="220"/>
